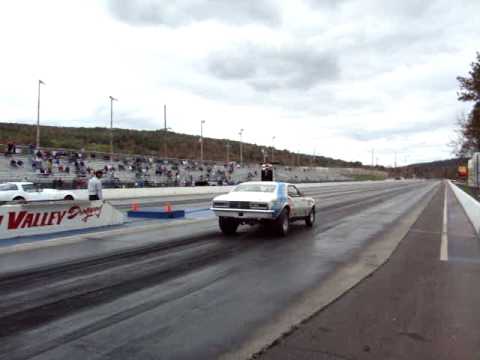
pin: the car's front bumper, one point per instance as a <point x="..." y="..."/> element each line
<point x="244" y="213"/>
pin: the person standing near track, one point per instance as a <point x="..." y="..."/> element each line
<point x="95" y="187"/>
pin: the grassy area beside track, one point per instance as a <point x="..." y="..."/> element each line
<point x="472" y="191"/>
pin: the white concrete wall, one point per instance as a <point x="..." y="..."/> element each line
<point x="117" y="194"/>
<point x="471" y="206"/>
<point x="138" y="193"/>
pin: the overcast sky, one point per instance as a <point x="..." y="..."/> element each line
<point x="338" y="78"/>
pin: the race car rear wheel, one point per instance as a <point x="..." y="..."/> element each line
<point x="228" y="225"/>
<point x="310" y="219"/>
<point x="68" y="197"/>
<point x="18" y="198"/>
<point x="282" y="223"/>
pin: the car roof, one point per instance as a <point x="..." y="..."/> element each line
<point x="19" y="183"/>
<point x="263" y="182"/>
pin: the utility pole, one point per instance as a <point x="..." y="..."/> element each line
<point x="373" y="157"/>
<point x="273" y="148"/>
<point x="112" y="99"/>
<point x="201" y="140"/>
<point x="40" y="82"/>
<point x="241" y="147"/>
<point x="165" y="154"/>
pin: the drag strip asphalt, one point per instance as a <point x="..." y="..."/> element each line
<point x="188" y="292"/>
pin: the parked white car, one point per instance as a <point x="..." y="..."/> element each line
<point x="27" y="191"/>
<point x="269" y="202"/>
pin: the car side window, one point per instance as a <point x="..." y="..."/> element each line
<point x="293" y="191"/>
<point x="8" y="187"/>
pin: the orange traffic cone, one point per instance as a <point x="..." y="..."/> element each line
<point x="135" y="206"/>
<point x="168" y="207"/>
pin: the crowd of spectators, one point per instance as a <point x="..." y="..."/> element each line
<point x="142" y="170"/>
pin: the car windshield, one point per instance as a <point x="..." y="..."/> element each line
<point x="29" y="187"/>
<point x="266" y="188"/>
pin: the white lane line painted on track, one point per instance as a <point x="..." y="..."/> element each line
<point x="444" y="243"/>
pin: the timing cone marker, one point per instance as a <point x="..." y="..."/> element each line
<point x="135" y="206"/>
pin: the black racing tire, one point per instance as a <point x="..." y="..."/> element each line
<point x="18" y="198"/>
<point x="310" y="219"/>
<point x="68" y="198"/>
<point x="228" y="225"/>
<point x="281" y="224"/>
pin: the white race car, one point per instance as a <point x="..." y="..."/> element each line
<point x="269" y="202"/>
<point x="27" y="191"/>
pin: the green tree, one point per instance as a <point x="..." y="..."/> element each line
<point x="469" y="125"/>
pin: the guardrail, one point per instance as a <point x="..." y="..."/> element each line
<point x="471" y="206"/>
<point x="139" y="193"/>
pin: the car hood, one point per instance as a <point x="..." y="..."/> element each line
<point x="247" y="196"/>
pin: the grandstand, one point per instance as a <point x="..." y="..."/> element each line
<point x="71" y="169"/>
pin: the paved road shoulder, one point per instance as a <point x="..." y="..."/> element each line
<point x="413" y="307"/>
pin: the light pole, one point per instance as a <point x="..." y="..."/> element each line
<point x="273" y="139"/>
<point x="40" y="82"/>
<point x="241" y="147"/>
<point x="201" y="140"/>
<point x="165" y="131"/>
<point x="165" y="134"/>
<point x="228" y="152"/>
<point x="112" y="99"/>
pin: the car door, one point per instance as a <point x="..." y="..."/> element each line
<point x="29" y="192"/>
<point x="304" y="204"/>
<point x="8" y="191"/>
<point x="296" y="200"/>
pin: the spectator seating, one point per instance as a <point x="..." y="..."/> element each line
<point x="138" y="170"/>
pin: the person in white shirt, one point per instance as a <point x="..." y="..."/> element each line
<point x="95" y="186"/>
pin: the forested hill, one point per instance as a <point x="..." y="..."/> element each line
<point x="148" y="142"/>
<point x="435" y="169"/>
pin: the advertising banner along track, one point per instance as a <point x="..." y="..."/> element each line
<point x="55" y="216"/>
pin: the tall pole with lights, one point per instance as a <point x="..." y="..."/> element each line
<point x="273" y="148"/>
<point x="40" y="83"/>
<point x="201" y="140"/>
<point x="241" y="147"/>
<point x="165" y="155"/>
<point x="112" y="99"/>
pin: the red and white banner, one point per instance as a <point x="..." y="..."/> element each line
<point x="46" y="218"/>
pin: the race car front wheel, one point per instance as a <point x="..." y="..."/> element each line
<point x="310" y="219"/>
<point x="228" y="225"/>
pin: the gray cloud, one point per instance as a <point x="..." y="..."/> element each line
<point x="183" y="12"/>
<point x="404" y="8"/>
<point x="405" y="130"/>
<point x="266" y="69"/>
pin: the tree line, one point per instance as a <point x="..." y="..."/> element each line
<point x="156" y="143"/>
<point x="468" y="140"/>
